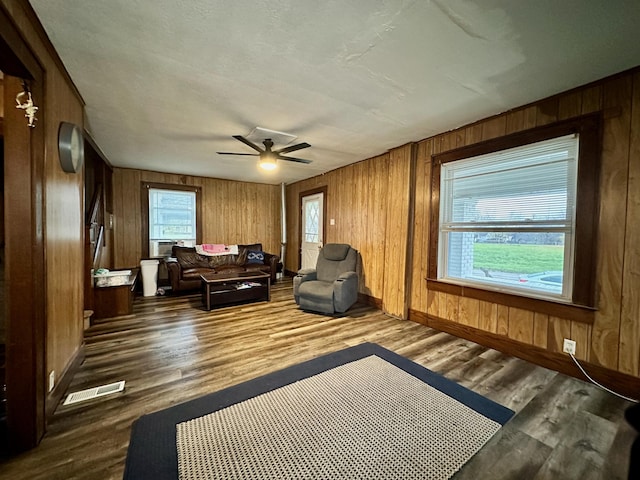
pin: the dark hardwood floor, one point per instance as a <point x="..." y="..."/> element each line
<point x="171" y="350"/>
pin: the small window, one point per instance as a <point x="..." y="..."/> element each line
<point x="170" y="216"/>
<point x="507" y="218"/>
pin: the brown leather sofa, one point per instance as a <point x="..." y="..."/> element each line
<point x="186" y="265"/>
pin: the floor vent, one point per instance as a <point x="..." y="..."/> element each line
<point x="90" y="393"/>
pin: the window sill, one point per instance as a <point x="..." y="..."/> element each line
<point x="576" y="313"/>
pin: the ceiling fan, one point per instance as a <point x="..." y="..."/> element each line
<point x="267" y="156"/>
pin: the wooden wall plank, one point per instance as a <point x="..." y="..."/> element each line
<point x="520" y="325"/>
<point x="488" y="320"/>
<point x="397" y="229"/>
<point x="592" y="99"/>
<point x="559" y="329"/>
<point x="570" y="105"/>
<point x="613" y="204"/>
<point x="581" y="334"/>
<point x="630" y="315"/>
<point x="547" y="111"/>
<point x="540" y="329"/>
<point x="376" y="230"/>
<point x="495" y="127"/>
<point x="469" y="311"/>
<point x="502" y="327"/>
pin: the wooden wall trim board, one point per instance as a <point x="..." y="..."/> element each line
<point x="25" y="263"/>
<point x="622" y="383"/>
<point x="576" y="313"/>
<point x="369" y="300"/>
<point x="63" y="382"/>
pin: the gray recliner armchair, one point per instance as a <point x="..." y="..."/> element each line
<point x="333" y="285"/>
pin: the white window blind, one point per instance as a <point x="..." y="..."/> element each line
<point x="523" y="196"/>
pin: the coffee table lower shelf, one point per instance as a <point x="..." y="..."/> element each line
<point x="221" y="290"/>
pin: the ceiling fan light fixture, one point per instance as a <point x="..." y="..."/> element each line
<point x="267" y="162"/>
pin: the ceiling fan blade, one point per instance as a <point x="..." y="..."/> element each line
<point x="248" y="142"/>
<point x="292" y="148"/>
<point x="294" y="159"/>
<point x="234" y="153"/>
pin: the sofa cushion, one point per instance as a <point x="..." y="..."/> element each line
<point x="257" y="268"/>
<point x="188" y="258"/>
<point x="230" y="269"/>
<point x="255" y="256"/>
<point x="194" y="273"/>
<point x="243" y="251"/>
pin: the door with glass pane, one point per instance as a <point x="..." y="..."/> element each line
<point x="312" y="234"/>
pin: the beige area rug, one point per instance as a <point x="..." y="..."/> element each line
<point x="366" y="419"/>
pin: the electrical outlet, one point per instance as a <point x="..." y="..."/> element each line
<point x="569" y="346"/>
<point x="52" y="379"/>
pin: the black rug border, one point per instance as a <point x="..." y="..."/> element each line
<point x="152" y="452"/>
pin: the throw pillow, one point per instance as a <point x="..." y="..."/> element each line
<point x="254" y="256"/>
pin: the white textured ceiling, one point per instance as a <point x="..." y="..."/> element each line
<point x="167" y="82"/>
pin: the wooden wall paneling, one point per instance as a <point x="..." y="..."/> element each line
<point x="581" y="334"/>
<point x="514" y="121"/>
<point x="134" y="220"/>
<point x="25" y="327"/>
<point x="420" y="239"/>
<point x="361" y="226"/>
<point x="521" y="325"/>
<point x="630" y="315"/>
<point x="397" y="228"/>
<point x="570" y="105"/>
<point x="540" y="329"/>
<point x="469" y="311"/>
<point x="547" y="111"/>
<point x="519" y="119"/>
<point x="495" y="127"/>
<point x="452" y="307"/>
<point x="433" y="307"/>
<point x="613" y="203"/>
<point x="472" y="134"/>
<point x="488" y="319"/>
<point x="232" y="212"/>
<point x="502" y="327"/>
<point x="592" y="99"/>
<point x="376" y="234"/>
<point x="559" y="329"/>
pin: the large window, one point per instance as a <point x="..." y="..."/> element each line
<point x="507" y="218"/>
<point x="517" y="215"/>
<point x="171" y="216"/>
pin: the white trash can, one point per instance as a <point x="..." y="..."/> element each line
<point x="149" y="277"/>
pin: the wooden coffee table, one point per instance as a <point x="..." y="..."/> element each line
<point x="229" y="288"/>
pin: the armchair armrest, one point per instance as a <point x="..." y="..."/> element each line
<point x="175" y="273"/>
<point x="304" y="275"/>
<point x="271" y="260"/>
<point x="346" y="276"/>
<point x="345" y="291"/>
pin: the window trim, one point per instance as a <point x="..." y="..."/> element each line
<point x="589" y="128"/>
<point x="144" y="194"/>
